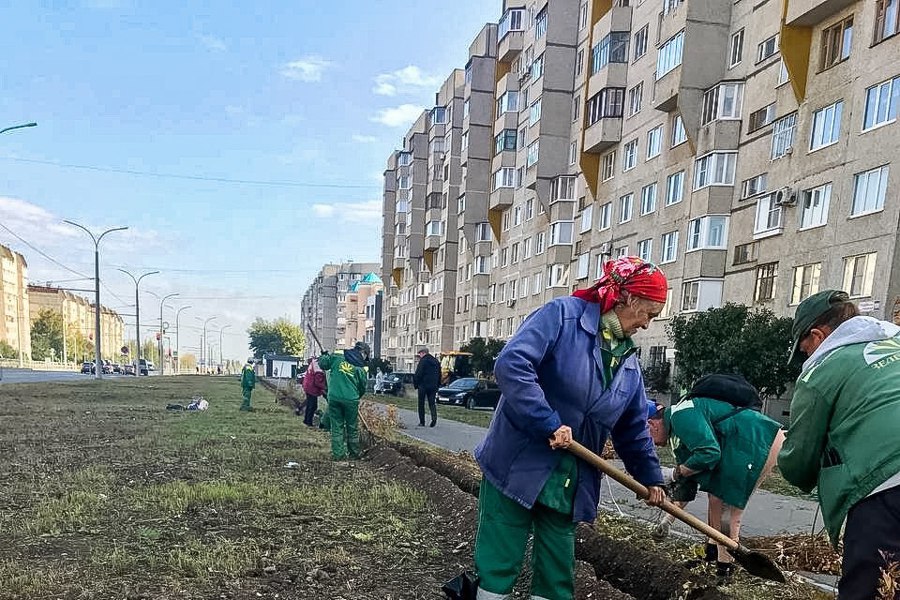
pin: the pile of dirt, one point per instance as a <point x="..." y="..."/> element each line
<point x="799" y="552"/>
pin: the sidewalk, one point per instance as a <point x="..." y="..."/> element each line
<point x="767" y="514"/>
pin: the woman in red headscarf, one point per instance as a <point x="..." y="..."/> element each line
<point x="570" y="372"/>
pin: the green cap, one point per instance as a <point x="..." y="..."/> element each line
<point x="808" y="313"/>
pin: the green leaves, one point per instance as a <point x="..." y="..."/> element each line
<point x="484" y="353"/>
<point x="276" y="337"/>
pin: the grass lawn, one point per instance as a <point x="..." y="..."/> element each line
<point x="105" y="494"/>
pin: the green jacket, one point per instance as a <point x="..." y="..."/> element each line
<point x="730" y="454"/>
<point x="248" y="378"/>
<point x="845" y="418"/>
<point x="345" y="381"/>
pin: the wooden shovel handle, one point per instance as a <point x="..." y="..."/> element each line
<point x="639" y="489"/>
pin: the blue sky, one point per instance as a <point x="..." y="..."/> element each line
<point x="307" y="92"/>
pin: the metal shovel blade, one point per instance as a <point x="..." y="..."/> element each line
<point x="757" y="563"/>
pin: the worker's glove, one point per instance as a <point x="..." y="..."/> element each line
<point x="668" y="475"/>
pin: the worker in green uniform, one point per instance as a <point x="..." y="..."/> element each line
<point x="248" y="382"/>
<point x="346" y="384"/>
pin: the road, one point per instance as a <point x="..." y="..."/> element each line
<point x="29" y="376"/>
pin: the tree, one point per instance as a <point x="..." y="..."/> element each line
<point x="276" y="337"/>
<point x="47" y="335"/>
<point x="484" y="353"/>
<point x="380" y="363"/>
<point x="7" y="351"/>
<point x="734" y="339"/>
<point x="187" y="363"/>
<point x="657" y="376"/>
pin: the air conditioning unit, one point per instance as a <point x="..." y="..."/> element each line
<point x="605" y="248"/>
<point x="789" y="150"/>
<point x="785" y="197"/>
<point x="511" y="302"/>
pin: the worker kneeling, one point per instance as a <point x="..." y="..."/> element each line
<point x="724" y="450"/>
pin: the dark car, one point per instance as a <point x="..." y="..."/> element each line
<point x="471" y="393"/>
<point x="396" y="383"/>
<point x="87" y="367"/>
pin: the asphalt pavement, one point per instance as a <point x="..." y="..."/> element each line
<point x="32" y="376"/>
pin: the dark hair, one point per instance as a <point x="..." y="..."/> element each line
<point x="834" y="316"/>
<point x="658" y="415"/>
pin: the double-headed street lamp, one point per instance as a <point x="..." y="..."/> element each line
<point x="162" y="358"/>
<point x="203" y="340"/>
<point x="137" y="317"/>
<point x="98" y="361"/>
<point x="224" y="327"/>
<point x="23" y="126"/>
<point x="177" y="336"/>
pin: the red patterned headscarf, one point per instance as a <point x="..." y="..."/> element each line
<point x="630" y="274"/>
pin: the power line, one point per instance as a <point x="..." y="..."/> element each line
<point x="208" y="178"/>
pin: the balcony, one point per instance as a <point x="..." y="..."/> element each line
<point x="399" y="262"/>
<point x="667" y="89"/>
<point x="510" y="34"/>
<point x="806" y="13"/>
<point x="432" y="242"/>
<point x="501" y="198"/>
<point x="602" y="135"/>
<point x="720" y="134"/>
<point x="613" y="75"/>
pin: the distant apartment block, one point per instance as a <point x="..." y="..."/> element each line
<point x="15" y="329"/>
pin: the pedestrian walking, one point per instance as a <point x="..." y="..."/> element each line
<point x="314" y="385"/>
<point x="427" y="380"/>
<point x="379" y="382"/>
<point x="724" y="450"/>
<point x="248" y="382"/>
<point x="570" y="372"/>
<point x="346" y="384"/>
<point x="843" y="436"/>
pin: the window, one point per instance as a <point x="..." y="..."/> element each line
<point x="736" y="48"/>
<point x="438" y="115"/>
<point x="674" y="188"/>
<point x="826" y="126"/>
<point x="557" y="275"/>
<point x="670" y="5"/>
<point x="504" y="220"/>
<point x="607" y="103"/>
<point x="814" y="209"/>
<point x="523" y="133"/>
<point x="504" y="261"/>
<point x="504" y="178"/>
<point x="482" y="266"/>
<point x="587" y="218"/>
<point x="765" y="282"/>
<point x="859" y="274"/>
<point x="722" y="102"/>
<point x="679" y="135"/>
<point x="654" y="142"/>
<point x="701" y="294"/>
<point x="783" y="135"/>
<point x="536" y="283"/>
<point x="613" y="48"/>
<point x="434" y="228"/>
<point x="708" y="233"/>
<point x="582" y="17"/>
<point x="629" y="155"/>
<point x="768" y="216"/>
<point x="886" y="19"/>
<point x="806" y="282"/>
<point x="573" y="153"/>
<point x="760" y="118"/>
<point x="836" y="42"/>
<point x="534" y="115"/>
<point x="505" y="140"/>
<point x="514" y="253"/>
<point x="403" y="182"/>
<point x="404" y="159"/>
<point x="714" y="169"/>
<point x="561" y="232"/>
<point x="540" y="24"/>
<point x="520" y="176"/>
<point x="511" y="21"/>
<point x="483" y="232"/>
<point x="645" y="249"/>
<point x="532" y="154"/>
<point x="508" y="102"/>
<point x="579" y="61"/>
<point x="537" y="67"/>
<point x="466" y="108"/>
<point x="609" y="166"/>
<point x="605" y="216"/>
<point x="461" y="204"/>
<point x="529" y="209"/>
<point x="526" y="248"/>
<point x="755" y="185"/>
<point x="869" y="189"/>
<point x="541" y="243"/>
<point x="881" y="103"/>
<point x="669" y="55"/>
<point x="648" y="199"/>
<point x="783" y="75"/>
<point x="635" y="96"/>
<point x="669" y="251"/>
<point x="745" y="253"/>
<point x="584" y="261"/>
<point x="562" y="188"/>
<point x="576" y="108"/>
<point x="625" y="207"/>
<point x="767" y="48"/>
<point x="517" y="215"/>
<point x="640" y="41"/>
<point x="623" y="251"/>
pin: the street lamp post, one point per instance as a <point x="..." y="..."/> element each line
<point x="137" y="318"/>
<point x="23" y="126"/>
<point x="98" y="361"/>
<point x="162" y="358"/>
<point x="177" y="336"/>
<point x="203" y="340"/>
<point x="224" y="327"/>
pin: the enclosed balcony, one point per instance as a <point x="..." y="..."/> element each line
<point x="603" y="118"/>
<point x="510" y="34"/>
<point x="806" y="13"/>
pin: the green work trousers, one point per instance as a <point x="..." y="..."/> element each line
<point x="344" y="418"/>
<point x="503" y="530"/>
<point x="245" y="405"/>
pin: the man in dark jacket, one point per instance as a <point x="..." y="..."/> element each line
<point x="427" y="380"/>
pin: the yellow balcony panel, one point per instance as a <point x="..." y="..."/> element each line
<point x="602" y="135"/>
<point x="667" y="89"/>
<point x="806" y="13"/>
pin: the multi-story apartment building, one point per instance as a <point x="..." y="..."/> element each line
<point x="324" y="305"/>
<point x="78" y="315"/>
<point x="360" y="307"/>
<point x="746" y="148"/>
<point x="15" y="328"/>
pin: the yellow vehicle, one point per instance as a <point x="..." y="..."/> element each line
<point x="455" y="364"/>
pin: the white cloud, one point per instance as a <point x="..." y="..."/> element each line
<point x="364" y="139"/>
<point x="368" y="211"/>
<point x="212" y="43"/>
<point x="409" y="79"/>
<point x="398" y="116"/>
<point x="307" y="68"/>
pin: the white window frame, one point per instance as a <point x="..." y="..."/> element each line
<point x="674" y="188"/>
<point x="587" y="218"/>
<point x="872" y="186"/>
<point x="626" y="208"/>
<point x="755" y="185"/>
<point x="582" y="265"/>
<point x="533" y="153"/>
<point x="736" y="49"/>
<point x="679" y="135"/>
<point x="826" y="126"/>
<point x="880" y="109"/>
<point x="670" y="55"/>
<point x="635" y="99"/>
<point x="645" y="249"/>
<point x="767" y="48"/>
<point x="866" y="278"/>
<point x="722" y="102"/>
<point x="540" y="245"/>
<point x="668" y="251"/>
<point x="709" y="232"/>
<point x="562" y="233"/>
<point x="814" y="204"/>
<point x="715" y="169"/>
<point x="629" y="155"/>
<point x="654" y="142"/>
<point x="708" y="294"/>
<point x="769" y="217"/>
<point x="534" y="113"/>
<point x="605" y="217"/>
<point x="797" y="284"/>
<point x="608" y="170"/>
<point x="648" y="199"/>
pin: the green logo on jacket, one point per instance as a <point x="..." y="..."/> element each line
<point x="882" y="353"/>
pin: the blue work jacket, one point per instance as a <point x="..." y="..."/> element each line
<point x="551" y="374"/>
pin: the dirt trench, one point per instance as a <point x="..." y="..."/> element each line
<point x="626" y="571"/>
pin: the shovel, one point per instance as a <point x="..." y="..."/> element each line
<point x="755" y="563"/>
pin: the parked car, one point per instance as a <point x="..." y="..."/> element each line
<point x="128" y="369"/>
<point x="142" y="364"/>
<point x="87" y="367"/>
<point x="396" y="383"/>
<point x="471" y="393"/>
<point x="117" y="368"/>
